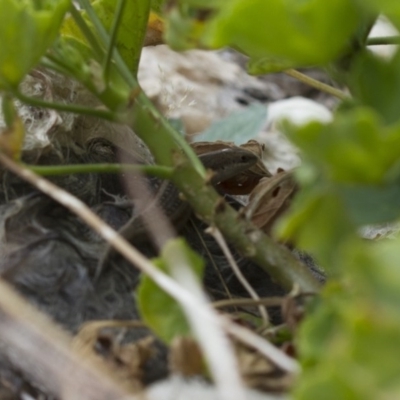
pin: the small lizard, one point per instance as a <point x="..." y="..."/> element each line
<point x="225" y="164"/>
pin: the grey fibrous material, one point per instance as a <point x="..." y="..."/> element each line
<point x="50" y="256"/>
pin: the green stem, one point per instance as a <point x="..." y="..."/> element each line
<point x="53" y="63"/>
<point x="104" y="37"/>
<point x="55" y="170"/>
<point x="165" y="143"/>
<point x="93" y="112"/>
<point x="85" y="29"/>
<point x="275" y="259"/>
<point x="113" y="38"/>
<point x="383" y="40"/>
<point x="317" y="84"/>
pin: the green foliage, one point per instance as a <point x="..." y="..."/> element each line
<point x="391" y="8"/>
<point x="299" y="32"/>
<point x="159" y="310"/>
<point x="350" y="176"/>
<point x="355" y="148"/>
<point x="27" y="29"/>
<point x="131" y="30"/>
<point x="156" y="5"/>
<point x="278" y="32"/>
<point x="349" y="346"/>
<point x="375" y="82"/>
<point x="237" y="127"/>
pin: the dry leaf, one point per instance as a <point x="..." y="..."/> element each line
<point x="260" y="373"/>
<point x="270" y="199"/>
<point x="245" y="182"/>
<point x="155" y="30"/>
<point x="294" y="309"/>
<point x="126" y="360"/>
<point x="12" y="139"/>
<point x="185" y="357"/>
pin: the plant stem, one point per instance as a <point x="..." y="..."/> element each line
<point x="104" y="37"/>
<point x="53" y="170"/>
<point x="75" y="109"/>
<point x="383" y="40"/>
<point x="268" y="301"/>
<point x="275" y="259"/>
<point x="165" y="143"/>
<point x="113" y="38"/>
<point x="317" y="84"/>
<point x="83" y="26"/>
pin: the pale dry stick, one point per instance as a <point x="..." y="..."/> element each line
<point x="214" y="337"/>
<point x="211" y="337"/>
<point x="217" y="235"/>
<point x="242" y="302"/>
<point x="226" y="376"/>
<point x="252" y="339"/>
<point x="248" y="337"/>
<point x="44" y="352"/>
<point x="207" y="250"/>
<point x="323" y="87"/>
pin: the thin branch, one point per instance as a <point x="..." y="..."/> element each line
<point x="268" y="301"/>
<point x="212" y="339"/>
<point x="71" y="108"/>
<point x="54" y="170"/>
<point x="113" y="38"/>
<point x="211" y="258"/>
<point x="323" y="87"/>
<point x="383" y="40"/>
<point x="104" y="37"/>
<point x="216" y="234"/>
<point x="87" y="32"/>
<point x="53" y="63"/>
<point x="263" y="346"/>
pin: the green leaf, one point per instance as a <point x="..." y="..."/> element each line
<point x="350" y="177"/>
<point x="375" y="82"/>
<point x="158" y="309"/>
<point x="318" y="224"/>
<point x="182" y="32"/>
<point x="380" y="273"/>
<point x="178" y="125"/>
<point x="238" y="127"/>
<point x="371" y="204"/>
<point x="13" y="135"/>
<point x="354" y="148"/>
<point x="26" y="32"/>
<point x="359" y="335"/>
<point x="290" y="31"/>
<point x="156" y="5"/>
<point x="267" y="65"/>
<point x="132" y="29"/>
<point x="390" y="8"/>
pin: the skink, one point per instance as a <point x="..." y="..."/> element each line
<point x="225" y="164"/>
